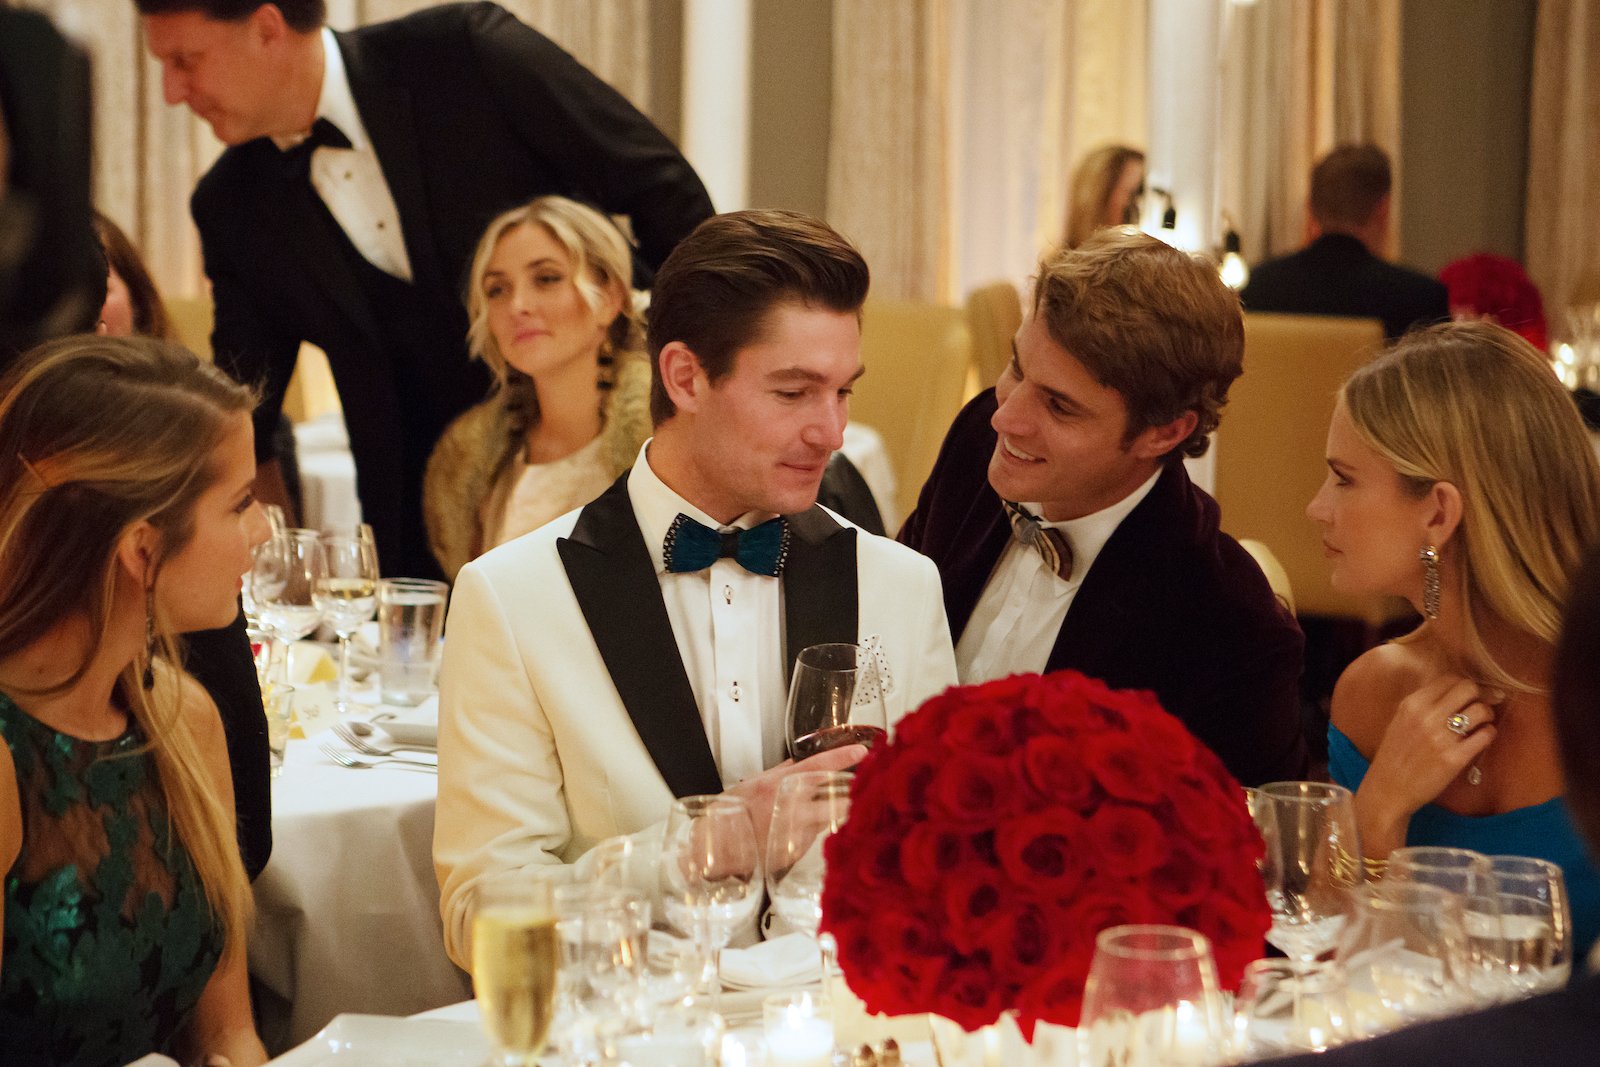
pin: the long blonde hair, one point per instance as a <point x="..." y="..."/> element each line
<point x="1475" y="405"/>
<point x="1093" y="179"/>
<point x="97" y="434"/>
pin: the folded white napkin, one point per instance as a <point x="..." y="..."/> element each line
<point x="412" y="726"/>
<point x="785" y="961"/>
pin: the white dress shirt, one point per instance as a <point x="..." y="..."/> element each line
<point x="1019" y="615"/>
<point x="350" y="180"/>
<point x="728" y="624"/>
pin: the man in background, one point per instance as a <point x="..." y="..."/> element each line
<point x="362" y="168"/>
<point x="1342" y="270"/>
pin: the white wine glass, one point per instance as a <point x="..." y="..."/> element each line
<point x="284" y="578"/>
<point x="710" y="878"/>
<point x="347" y="595"/>
<point x="1152" y="1000"/>
<point x="515" y="963"/>
<point x="835" y="699"/>
<point x="1313" y="860"/>
<point x="810" y="807"/>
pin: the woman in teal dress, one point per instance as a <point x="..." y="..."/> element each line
<point x="126" y="517"/>
<point x="1461" y="478"/>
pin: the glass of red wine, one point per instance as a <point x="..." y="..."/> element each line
<point x="835" y="699"/>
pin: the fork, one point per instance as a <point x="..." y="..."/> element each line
<point x="349" y="759"/>
<point x="360" y="744"/>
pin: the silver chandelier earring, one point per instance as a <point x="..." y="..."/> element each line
<point x="1430" y="581"/>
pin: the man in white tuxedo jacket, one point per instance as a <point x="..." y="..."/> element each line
<point x="639" y="649"/>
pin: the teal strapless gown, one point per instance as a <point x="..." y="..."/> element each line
<point x="1544" y="831"/>
<point x="109" y="941"/>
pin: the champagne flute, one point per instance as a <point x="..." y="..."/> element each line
<point x="1313" y="859"/>
<point x="809" y="808"/>
<point x="710" y="878"/>
<point x="835" y="699"/>
<point x="515" y="961"/>
<point x="347" y="594"/>
<point x="1152" y="1000"/>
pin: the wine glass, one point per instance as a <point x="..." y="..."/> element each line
<point x="835" y="699"/>
<point x="1313" y="858"/>
<point x="602" y="931"/>
<point x="1152" y="1000"/>
<point x="1404" y="954"/>
<point x="627" y="864"/>
<point x="809" y="808"/>
<point x="1536" y="922"/>
<point x="515" y="961"/>
<point x="1290" y="1006"/>
<point x="347" y="595"/>
<point x="710" y="878"/>
<point x="285" y="575"/>
<point x="1470" y="877"/>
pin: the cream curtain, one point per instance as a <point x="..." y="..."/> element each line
<point x="148" y="156"/>
<point x="1298" y="79"/>
<point x="955" y="125"/>
<point x="1563" y="236"/>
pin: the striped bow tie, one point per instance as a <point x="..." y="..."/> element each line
<point x="693" y="546"/>
<point x="1050" y="543"/>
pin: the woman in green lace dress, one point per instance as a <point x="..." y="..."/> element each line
<point x="126" y="517"/>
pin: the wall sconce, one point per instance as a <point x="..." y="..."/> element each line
<point x="1169" y="216"/>
<point x="1235" y="272"/>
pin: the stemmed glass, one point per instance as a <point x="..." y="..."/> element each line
<point x="1312" y="861"/>
<point x="1470" y="877"/>
<point x="710" y="878"/>
<point x="283" y="582"/>
<point x="515" y="961"/>
<point x="810" y="808"/>
<point x="1289" y="1006"/>
<point x="835" y="699"/>
<point x="1405" y="955"/>
<point x="602" y="931"/>
<point x="347" y="595"/>
<point x="1152" y="1000"/>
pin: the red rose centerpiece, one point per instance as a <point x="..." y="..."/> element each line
<point x="1007" y="824"/>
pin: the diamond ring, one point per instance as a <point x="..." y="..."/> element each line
<point x="1458" y="724"/>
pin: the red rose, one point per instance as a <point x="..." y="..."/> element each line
<point x="973" y="906"/>
<point x="928" y="721"/>
<point x="1108" y="903"/>
<point x="1183" y="878"/>
<point x="971" y="789"/>
<point x="1064" y="701"/>
<point x="1038" y="851"/>
<point x="1129" y="840"/>
<point x="971" y="994"/>
<point x="980" y="728"/>
<point x="928" y="853"/>
<point x="1053" y="768"/>
<point x="1056" y="996"/>
<point x="1122" y="768"/>
<point x="1021" y="941"/>
<point x="908" y="774"/>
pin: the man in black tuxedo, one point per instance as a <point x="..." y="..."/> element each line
<point x="1341" y="271"/>
<point x="1559" y="1028"/>
<point x="362" y="170"/>
<point x="1066" y="530"/>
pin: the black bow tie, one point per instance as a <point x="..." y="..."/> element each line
<point x="324" y="134"/>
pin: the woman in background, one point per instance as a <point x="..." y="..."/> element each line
<point x="126" y="905"/>
<point x="1107" y="186"/>
<point x="1461" y="478"/>
<point x="550" y="304"/>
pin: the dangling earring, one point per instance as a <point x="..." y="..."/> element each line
<point x="606" y="373"/>
<point x="149" y="678"/>
<point x="1430" y="581"/>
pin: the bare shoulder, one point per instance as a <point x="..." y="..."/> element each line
<point x="10" y="811"/>
<point x="1371" y="688"/>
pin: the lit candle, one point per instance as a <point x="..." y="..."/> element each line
<point x="798" y="1033"/>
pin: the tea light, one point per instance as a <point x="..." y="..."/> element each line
<point x="799" y="1031"/>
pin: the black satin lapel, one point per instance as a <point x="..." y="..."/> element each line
<point x="386" y="111"/>
<point x="821" y="602"/>
<point x="615" y="582"/>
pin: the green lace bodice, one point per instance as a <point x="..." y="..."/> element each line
<point x="108" y="939"/>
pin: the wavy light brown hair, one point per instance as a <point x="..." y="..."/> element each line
<point x="1475" y="405"/>
<point x="1092" y="181"/>
<point x="73" y="480"/>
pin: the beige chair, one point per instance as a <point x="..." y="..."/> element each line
<point x="191" y="319"/>
<point x="1277" y="577"/>
<point x="1270" y="448"/>
<point x="916" y="357"/>
<point x="994" y="313"/>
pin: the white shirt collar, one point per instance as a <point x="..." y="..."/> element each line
<point x="656" y="505"/>
<point x="335" y="103"/>
<point x="1088" y="534"/>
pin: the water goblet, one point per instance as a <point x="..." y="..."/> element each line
<point x="1313" y="859"/>
<point x="347" y="594"/>
<point x="835" y="699"/>
<point x="1468" y="875"/>
<point x="284" y="579"/>
<point x="810" y="807"/>
<point x="1152" y="1000"/>
<point x="710" y="878"/>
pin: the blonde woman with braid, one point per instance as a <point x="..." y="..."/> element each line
<point x="126" y="517"/>
<point x="1461" y="478"/>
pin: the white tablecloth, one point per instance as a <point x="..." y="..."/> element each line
<point x="347" y="911"/>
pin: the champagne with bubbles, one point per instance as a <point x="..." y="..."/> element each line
<point x="515" y="958"/>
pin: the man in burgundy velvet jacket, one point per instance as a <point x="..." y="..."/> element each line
<point x="1067" y="532"/>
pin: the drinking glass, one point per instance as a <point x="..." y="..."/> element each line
<point x="1404" y="954"/>
<point x="410" y="623"/>
<point x="710" y="878"/>
<point x="284" y="578"/>
<point x="809" y="808"/>
<point x="1290" y="1006"/>
<point x="1152" y="1000"/>
<point x="347" y="593"/>
<point x="1313" y="859"/>
<point x="277" y="700"/>
<point x="1538" y="960"/>
<point x="835" y="699"/>
<point x="1470" y="877"/>
<point x="624" y="863"/>
<point x="515" y="961"/>
<point x="602" y="932"/>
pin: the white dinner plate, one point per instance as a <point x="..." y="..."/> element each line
<point x="390" y="1041"/>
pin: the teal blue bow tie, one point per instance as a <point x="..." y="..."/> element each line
<point x="693" y="546"/>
